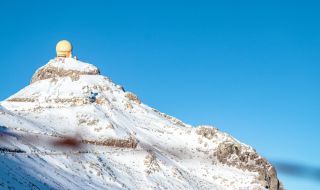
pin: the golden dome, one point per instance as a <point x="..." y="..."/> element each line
<point x="64" y="49"/>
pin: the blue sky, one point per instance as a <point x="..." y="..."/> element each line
<point x="249" y="68"/>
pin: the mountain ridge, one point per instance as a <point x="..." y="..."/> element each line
<point x="80" y="125"/>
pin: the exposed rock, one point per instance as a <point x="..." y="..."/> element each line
<point x="72" y="101"/>
<point x="85" y="119"/>
<point x="102" y="100"/>
<point x="234" y="154"/>
<point x="21" y="100"/>
<point x="10" y="150"/>
<point x="131" y="142"/>
<point x="206" y="132"/>
<point x="176" y="173"/>
<point x="120" y="88"/>
<point x="129" y="106"/>
<point x="49" y="71"/>
<point x="132" y="97"/>
<point x="151" y="164"/>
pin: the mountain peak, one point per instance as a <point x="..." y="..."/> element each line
<point x="116" y="141"/>
<point x="64" y="67"/>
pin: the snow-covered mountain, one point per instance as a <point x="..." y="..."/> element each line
<point x="72" y="128"/>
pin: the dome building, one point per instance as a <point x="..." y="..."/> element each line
<point x="64" y="49"/>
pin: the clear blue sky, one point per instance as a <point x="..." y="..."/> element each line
<point x="251" y="68"/>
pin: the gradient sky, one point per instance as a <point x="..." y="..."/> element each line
<point x="250" y="68"/>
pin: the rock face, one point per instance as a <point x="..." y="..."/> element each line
<point x="64" y="67"/>
<point x="54" y="135"/>
<point x="234" y="154"/>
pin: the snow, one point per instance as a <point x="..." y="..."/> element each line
<point x="49" y="110"/>
<point x="71" y="64"/>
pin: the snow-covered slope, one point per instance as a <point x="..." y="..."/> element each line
<point x="72" y="128"/>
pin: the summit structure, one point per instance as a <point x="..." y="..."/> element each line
<point x="73" y="128"/>
<point x="64" y="49"/>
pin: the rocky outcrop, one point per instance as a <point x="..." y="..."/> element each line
<point x="50" y="71"/>
<point x="10" y="150"/>
<point x="207" y="132"/>
<point x="131" y="142"/>
<point x="234" y="154"/>
<point x="151" y="163"/>
<point x="21" y="100"/>
<point x="132" y="97"/>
